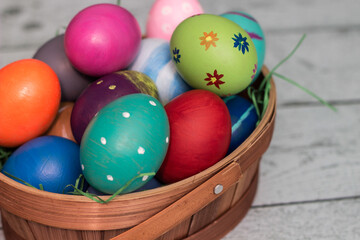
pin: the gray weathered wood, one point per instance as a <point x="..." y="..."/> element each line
<point x="314" y="155"/>
<point x="310" y="177"/>
<point x="332" y="220"/>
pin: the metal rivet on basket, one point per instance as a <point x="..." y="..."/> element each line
<point x="218" y="189"/>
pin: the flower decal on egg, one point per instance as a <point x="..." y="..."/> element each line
<point x="176" y="55"/>
<point x="209" y="39"/>
<point x="254" y="71"/>
<point x="214" y="79"/>
<point x="241" y="43"/>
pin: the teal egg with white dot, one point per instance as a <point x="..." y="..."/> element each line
<point x="125" y="144"/>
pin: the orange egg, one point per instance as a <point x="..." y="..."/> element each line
<point x="29" y="100"/>
<point x="61" y="126"/>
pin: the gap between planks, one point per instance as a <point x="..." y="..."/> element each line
<point x="306" y="202"/>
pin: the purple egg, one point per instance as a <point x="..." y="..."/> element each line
<point x="102" y="39"/>
<point x="105" y="90"/>
<point x="72" y="82"/>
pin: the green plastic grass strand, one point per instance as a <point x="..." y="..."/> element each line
<point x="268" y="76"/>
<point x="98" y="199"/>
<point x="252" y="96"/>
<point x="57" y="33"/>
<point x="41" y="187"/>
<point x="260" y="97"/>
<point x="4" y="153"/>
<point x="118" y="2"/>
<point x="306" y="90"/>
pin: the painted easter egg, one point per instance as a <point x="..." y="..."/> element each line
<point x="102" y="39"/>
<point x="105" y="90"/>
<point x="72" y="82"/>
<point x="92" y="190"/>
<point x="154" y="60"/>
<point x="165" y="15"/>
<point x="61" y="125"/>
<point x="51" y="161"/>
<point x="243" y="119"/>
<point x="200" y="132"/>
<point x="253" y="28"/>
<point x="208" y="51"/>
<point x="151" y="184"/>
<point x="125" y="143"/>
<point x="30" y="97"/>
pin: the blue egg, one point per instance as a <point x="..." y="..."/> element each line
<point x="243" y="119"/>
<point x="252" y="27"/>
<point x="51" y="161"/>
<point x="154" y="60"/>
<point x="151" y="184"/>
<point x="93" y="190"/>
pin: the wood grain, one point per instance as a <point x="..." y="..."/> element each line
<point x="309" y="178"/>
<point x="328" y="220"/>
<point x="315" y="151"/>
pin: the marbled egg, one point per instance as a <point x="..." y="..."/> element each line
<point x="253" y="28"/>
<point x="214" y="53"/>
<point x="243" y="119"/>
<point x="105" y="90"/>
<point x="154" y="60"/>
<point x="165" y="15"/>
<point x="127" y="138"/>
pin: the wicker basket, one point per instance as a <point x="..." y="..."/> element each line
<point x="205" y="206"/>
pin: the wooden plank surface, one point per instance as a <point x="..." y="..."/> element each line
<point x="309" y="185"/>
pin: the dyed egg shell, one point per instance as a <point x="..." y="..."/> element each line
<point x="128" y="137"/>
<point x="105" y="90"/>
<point x="95" y="191"/>
<point x="243" y="119"/>
<point x="208" y="51"/>
<point x="72" y="82"/>
<point x="200" y="132"/>
<point x="154" y="60"/>
<point x="61" y="126"/>
<point x="102" y="39"/>
<point x="30" y="97"/>
<point x="48" y="160"/>
<point x="253" y="28"/>
<point x="151" y="184"/>
<point x="165" y="15"/>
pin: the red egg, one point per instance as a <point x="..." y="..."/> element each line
<point x="200" y="133"/>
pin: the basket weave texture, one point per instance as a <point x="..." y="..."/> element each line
<point x="188" y="209"/>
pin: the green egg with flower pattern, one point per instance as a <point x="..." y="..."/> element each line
<point x="214" y="53"/>
<point x="125" y="144"/>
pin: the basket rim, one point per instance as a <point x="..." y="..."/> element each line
<point x="80" y="212"/>
<point x="202" y="176"/>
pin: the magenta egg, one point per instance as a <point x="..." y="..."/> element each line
<point x="101" y="39"/>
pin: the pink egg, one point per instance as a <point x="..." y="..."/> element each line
<point x="101" y="39"/>
<point x="165" y="15"/>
